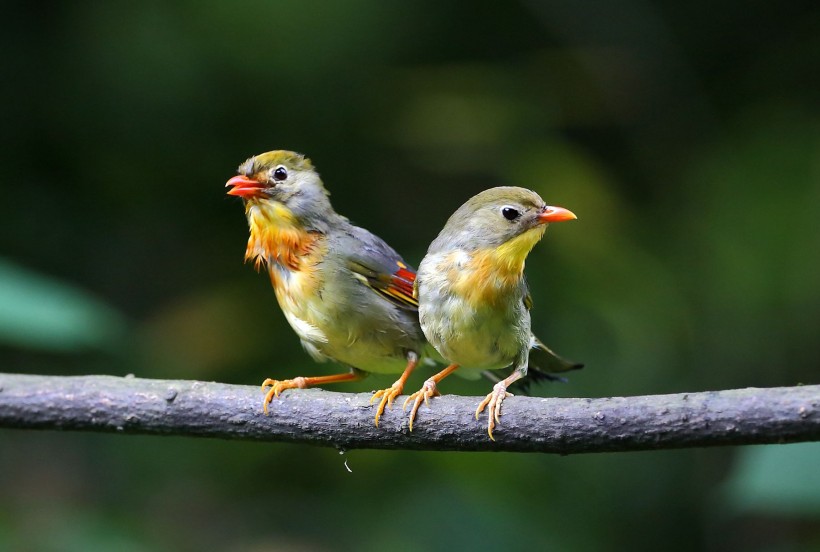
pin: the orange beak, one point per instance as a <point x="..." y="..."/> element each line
<point x="555" y="214"/>
<point x="244" y="187"/>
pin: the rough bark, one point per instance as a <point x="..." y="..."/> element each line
<point x="345" y="420"/>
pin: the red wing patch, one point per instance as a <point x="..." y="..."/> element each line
<point x="403" y="280"/>
<point x="400" y="287"/>
<point x="396" y="287"/>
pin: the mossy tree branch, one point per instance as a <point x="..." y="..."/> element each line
<point x="345" y="420"/>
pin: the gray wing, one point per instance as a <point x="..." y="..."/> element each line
<point x="379" y="267"/>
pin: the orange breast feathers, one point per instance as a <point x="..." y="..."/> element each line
<point x="488" y="276"/>
<point x="480" y="278"/>
<point x="277" y="239"/>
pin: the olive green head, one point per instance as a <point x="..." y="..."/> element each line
<point x="284" y="179"/>
<point x="266" y="162"/>
<point x="495" y="217"/>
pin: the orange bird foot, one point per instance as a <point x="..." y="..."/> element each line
<point x="387" y="396"/>
<point x="492" y="403"/>
<point x="428" y="390"/>
<point x="277" y="387"/>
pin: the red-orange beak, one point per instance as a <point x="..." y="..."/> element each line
<point x="555" y="214"/>
<point x="244" y="187"/>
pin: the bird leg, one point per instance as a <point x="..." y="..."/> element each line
<point x="493" y="401"/>
<point x="277" y="386"/>
<point x="387" y="395"/>
<point x="429" y="389"/>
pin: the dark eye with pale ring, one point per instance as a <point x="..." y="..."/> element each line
<point x="510" y="213"/>
<point x="280" y="174"/>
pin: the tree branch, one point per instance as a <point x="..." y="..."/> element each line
<point x="345" y="420"/>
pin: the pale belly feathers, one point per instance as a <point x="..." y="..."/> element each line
<point x="475" y="337"/>
<point x="331" y="326"/>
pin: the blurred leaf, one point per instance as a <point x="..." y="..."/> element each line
<point x="776" y="479"/>
<point x="44" y="313"/>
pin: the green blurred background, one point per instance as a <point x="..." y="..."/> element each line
<point x="685" y="135"/>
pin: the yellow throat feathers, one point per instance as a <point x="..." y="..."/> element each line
<point x="491" y="274"/>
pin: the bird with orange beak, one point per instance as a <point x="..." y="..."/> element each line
<point x="345" y="292"/>
<point x="474" y="304"/>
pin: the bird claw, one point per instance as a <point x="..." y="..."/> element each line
<point x="492" y="403"/>
<point x="276" y="387"/>
<point x="387" y="396"/>
<point x="428" y="390"/>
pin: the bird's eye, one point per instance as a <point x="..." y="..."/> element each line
<point x="510" y="213"/>
<point x="280" y="174"/>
